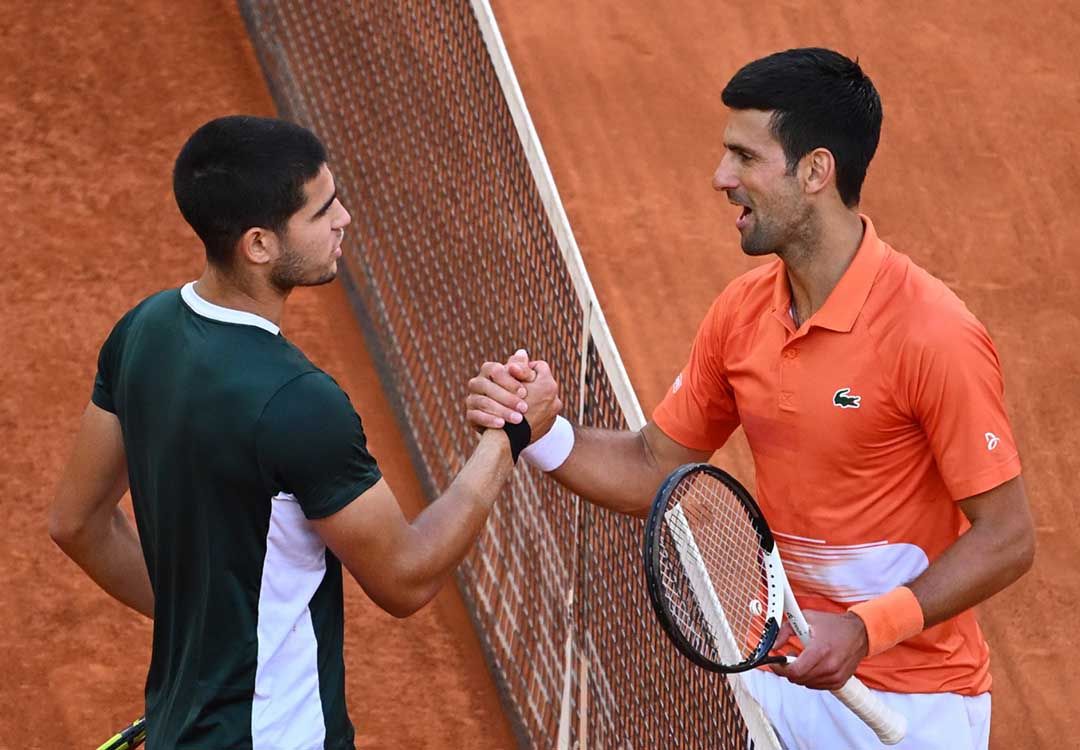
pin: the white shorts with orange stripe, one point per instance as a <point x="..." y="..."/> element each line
<point x="807" y="719"/>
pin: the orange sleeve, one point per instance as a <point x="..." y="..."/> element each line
<point x="699" y="408"/>
<point x="957" y="392"/>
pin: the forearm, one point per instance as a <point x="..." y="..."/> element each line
<point x="109" y="551"/>
<point x="447" y="529"/>
<point x="614" y="469"/>
<point x="978" y="565"/>
<point x="997" y="549"/>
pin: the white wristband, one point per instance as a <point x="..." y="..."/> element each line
<point x="549" y="452"/>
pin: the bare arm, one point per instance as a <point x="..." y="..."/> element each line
<point x="622" y="470"/>
<point x="619" y="470"/>
<point x="997" y="549"/>
<point x="403" y="565"/>
<point x="86" y="521"/>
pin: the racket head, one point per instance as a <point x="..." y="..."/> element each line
<point x="712" y="570"/>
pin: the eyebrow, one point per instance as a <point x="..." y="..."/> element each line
<point x="739" y="147"/>
<point x="326" y="206"/>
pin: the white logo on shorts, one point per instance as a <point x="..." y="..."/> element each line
<point x="677" y="384"/>
<point x="992" y="441"/>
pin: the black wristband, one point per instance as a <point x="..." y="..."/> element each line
<point x="520" y="435"/>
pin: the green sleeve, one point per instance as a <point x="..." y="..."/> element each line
<point x="108" y="366"/>
<point x="311" y="444"/>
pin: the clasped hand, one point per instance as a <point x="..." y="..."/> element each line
<point x="503" y="393"/>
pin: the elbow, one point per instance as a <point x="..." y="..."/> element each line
<point x="1025" y="552"/>
<point x="64" y="531"/>
<point x="406" y="603"/>
<point x="1017" y="554"/>
<point x="397" y="596"/>
<point x="403" y="610"/>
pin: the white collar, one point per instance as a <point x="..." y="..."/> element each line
<point x="199" y="306"/>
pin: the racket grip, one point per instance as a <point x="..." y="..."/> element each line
<point x="888" y="725"/>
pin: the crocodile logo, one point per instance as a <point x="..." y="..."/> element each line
<point x="844" y="401"/>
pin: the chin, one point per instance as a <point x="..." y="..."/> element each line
<point x="325" y="279"/>
<point x="754" y="249"/>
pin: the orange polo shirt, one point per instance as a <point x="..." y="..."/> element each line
<point x="866" y="425"/>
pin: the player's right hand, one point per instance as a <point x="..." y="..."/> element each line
<point x="498" y="394"/>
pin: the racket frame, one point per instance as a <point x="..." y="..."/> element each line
<point x="890" y="726"/>
<point x="660" y="517"/>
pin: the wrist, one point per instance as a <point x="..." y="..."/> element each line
<point x="551" y="451"/>
<point x="889" y="619"/>
<point x="520" y="435"/>
<point x="863" y="638"/>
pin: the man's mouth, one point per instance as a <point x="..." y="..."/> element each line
<point x="744" y="217"/>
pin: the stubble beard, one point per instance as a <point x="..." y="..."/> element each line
<point x="290" y="271"/>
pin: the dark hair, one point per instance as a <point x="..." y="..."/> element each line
<point x="819" y="99"/>
<point x="239" y="172"/>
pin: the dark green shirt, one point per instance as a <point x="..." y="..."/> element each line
<point x="234" y="440"/>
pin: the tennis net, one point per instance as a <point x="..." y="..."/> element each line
<point x="463" y="253"/>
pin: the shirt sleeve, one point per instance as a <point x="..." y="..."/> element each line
<point x="108" y="366"/>
<point x="311" y="444"/>
<point x="957" y="393"/>
<point x="699" y="409"/>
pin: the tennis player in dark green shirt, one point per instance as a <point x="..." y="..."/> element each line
<point x="248" y="466"/>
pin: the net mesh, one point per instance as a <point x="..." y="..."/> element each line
<point x="452" y="259"/>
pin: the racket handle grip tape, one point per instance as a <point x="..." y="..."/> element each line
<point x="888" y="725"/>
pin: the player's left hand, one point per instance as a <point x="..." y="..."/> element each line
<point x="837" y="644"/>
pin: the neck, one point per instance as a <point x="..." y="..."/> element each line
<point x="238" y="293"/>
<point x="816" y="266"/>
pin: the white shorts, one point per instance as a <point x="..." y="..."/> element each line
<point x="807" y="719"/>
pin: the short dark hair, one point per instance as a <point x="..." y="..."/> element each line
<point x="820" y="99"/>
<point x="239" y="172"/>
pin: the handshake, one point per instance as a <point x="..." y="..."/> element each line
<point x="519" y="390"/>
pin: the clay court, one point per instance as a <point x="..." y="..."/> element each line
<point x="977" y="178"/>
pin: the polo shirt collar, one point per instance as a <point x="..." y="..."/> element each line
<point x="846" y="300"/>
<point x="207" y="309"/>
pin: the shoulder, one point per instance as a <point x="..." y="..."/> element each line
<point x="149" y="307"/>
<point x="754" y="286"/>
<point x="746" y="297"/>
<point x="310" y="398"/>
<point x="919" y="315"/>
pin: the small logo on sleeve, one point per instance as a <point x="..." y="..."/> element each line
<point x="844" y="401"/>
<point x="677" y="384"/>
<point x="992" y="441"/>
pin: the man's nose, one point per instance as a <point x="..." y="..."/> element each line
<point x="724" y="177"/>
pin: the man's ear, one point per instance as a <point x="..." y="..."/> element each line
<point x="819" y="170"/>
<point x="257" y="246"/>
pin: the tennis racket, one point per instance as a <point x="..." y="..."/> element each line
<point x="127" y="738"/>
<point x="718" y="586"/>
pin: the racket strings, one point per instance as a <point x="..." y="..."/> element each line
<point x="712" y="566"/>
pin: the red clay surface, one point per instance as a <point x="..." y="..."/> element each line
<point x="977" y="178"/>
<point x="95" y="100"/>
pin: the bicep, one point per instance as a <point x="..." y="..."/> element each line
<point x="96" y="474"/>
<point x="1004" y="508"/>
<point x="666" y="453"/>
<point x="367" y="536"/>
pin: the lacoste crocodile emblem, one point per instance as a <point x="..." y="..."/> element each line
<point x="844" y="401"/>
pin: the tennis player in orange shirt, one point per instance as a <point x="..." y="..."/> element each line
<point x="872" y="400"/>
